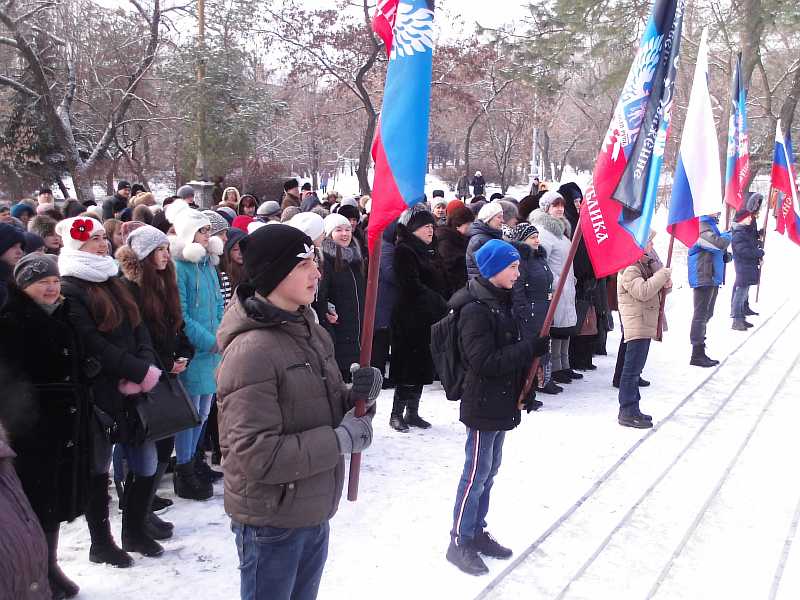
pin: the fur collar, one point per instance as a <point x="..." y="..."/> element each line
<point x="129" y="265"/>
<point x="350" y="255"/>
<point x="194" y="252"/>
<point x="559" y="227"/>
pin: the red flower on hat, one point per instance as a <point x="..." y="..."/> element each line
<point x="81" y="229"/>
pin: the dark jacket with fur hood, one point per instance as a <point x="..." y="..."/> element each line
<point x="167" y="347"/>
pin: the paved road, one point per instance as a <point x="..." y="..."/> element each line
<point x="706" y="506"/>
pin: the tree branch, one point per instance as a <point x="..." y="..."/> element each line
<point x="17" y="86"/>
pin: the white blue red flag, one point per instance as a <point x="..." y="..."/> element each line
<point x="737" y="169"/>
<point x="784" y="180"/>
<point x="697" y="185"/>
<point x="616" y="216"/>
<point x="400" y="149"/>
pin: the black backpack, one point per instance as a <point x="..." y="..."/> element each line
<point x="446" y="353"/>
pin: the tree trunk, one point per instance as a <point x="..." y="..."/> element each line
<point x="82" y="182"/>
<point x="365" y="155"/>
<point x="546" y="166"/>
<point x="467" y="140"/>
<point x="63" y="188"/>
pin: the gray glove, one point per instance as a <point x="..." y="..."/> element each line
<point x="354" y="434"/>
<point x="367" y="383"/>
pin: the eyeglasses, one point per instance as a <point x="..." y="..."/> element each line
<point x="206" y="229"/>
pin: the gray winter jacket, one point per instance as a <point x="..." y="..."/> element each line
<point x="554" y="238"/>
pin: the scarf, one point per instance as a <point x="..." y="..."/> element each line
<point x="86" y="266"/>
<point x="350" y="255"/>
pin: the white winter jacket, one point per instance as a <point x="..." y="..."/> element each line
<point x="554" y="238"/>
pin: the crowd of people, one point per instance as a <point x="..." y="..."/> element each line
<point x="256" y="308"/>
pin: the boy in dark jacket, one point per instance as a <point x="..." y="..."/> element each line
<point x="496" y="358"/>
<point x="747" y="255"/>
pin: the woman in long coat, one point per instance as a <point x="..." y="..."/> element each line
<point x="420" y="303"/>
<point x="49" y="425"/>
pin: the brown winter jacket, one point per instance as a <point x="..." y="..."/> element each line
<point x="638" y="290"/>
<point x="289" y="200"/>
<point x="280" y="395"/>
<point x="23" y="550"/>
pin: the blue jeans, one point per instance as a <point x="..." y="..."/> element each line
<point x="740" y="297"/>
<point x="484" y="452"/>
<point x="635" y="358"/>
<point x="280" y="564"/>
<point x="142" y="459"/>
<point x="186" y="440"/>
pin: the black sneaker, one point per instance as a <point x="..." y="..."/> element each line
<point x="749" y="312"/>
<point x="635" y="421"/>
<point x="643" y="382"/>
<point x="574" y="374"/>
<point x="466" y="558"/>
<point x="551" y="388"/>
<point x="485" y="544"/>
<point x="562" y="377"/>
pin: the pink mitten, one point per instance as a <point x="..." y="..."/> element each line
<point x="151" y="379"/>
<point x="128" y="388"/>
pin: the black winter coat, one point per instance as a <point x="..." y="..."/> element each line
<point x="479" y="234"/>
<point x="495" y="356"/>
<point x="478" y="185"/>
<point x="747" y="254"/>
<point x="420" y="304"/>
<point x="6" y="277"/>
<point x="452" y="248"/>
<point x="52" y="443"/>
<point x="345" y="289"/>
<point x="533" y="290"/>
<point x="124" y="353"/>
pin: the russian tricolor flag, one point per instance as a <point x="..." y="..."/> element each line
<point x="400" y="149"/>
<point x="696" y="189"/>
<point x="783" y="180"/>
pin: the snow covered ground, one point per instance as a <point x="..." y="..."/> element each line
<point x="705" y="505"/>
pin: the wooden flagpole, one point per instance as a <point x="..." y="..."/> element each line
<point x="663" y="292"/>
<point x="365" y="358"/>
<point x="551" y="312"/>
<point x="772" y="195"/>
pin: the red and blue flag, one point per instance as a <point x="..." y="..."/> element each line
<point x="737" y="169"/>
<point x="783" y="180"/>
<point x="400" y="148"/>
<point x="619" y="204"/>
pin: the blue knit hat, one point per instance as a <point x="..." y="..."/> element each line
<point x="494" y="256"/>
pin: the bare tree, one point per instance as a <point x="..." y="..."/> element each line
<point x="56" y="92"/>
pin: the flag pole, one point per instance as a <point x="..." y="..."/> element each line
<point x="551" y="312"/>
<point x="365" y="358"/>
<point x="663" y="292"/>
<point x="772" y="192"/>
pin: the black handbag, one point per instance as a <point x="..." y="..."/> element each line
<point x="163" y="411"/>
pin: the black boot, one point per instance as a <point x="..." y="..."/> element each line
<point x="396" y="421"/>
<point x="485" y="544"/>
<point x="739" y="325"/>
<point x="562" y="376"/>
<point x="574" y="374"/>
<point x="119" y="485"/>
<point x="637" y="421"/>
<point x="188" y="486"/>
<point x="466" y="558"/>
<point x="157" y="528"/>
<point x="699" y="358"/>
<point x="551" y="388"/>
<point x="60" y="585"/>
<point x="135" y="537"/>
<point x="160" y="503"/>
<point x="412" y="417"/>
<point x="643" y="382"/>
<point x="203" y="471"/>
<point x="103" y="549"/>
<point x="749" y="312"/>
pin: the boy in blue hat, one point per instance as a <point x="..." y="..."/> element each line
<point x="496" y="358"/>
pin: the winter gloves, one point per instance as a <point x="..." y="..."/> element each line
<point x="129" y="388"/>
<point x="367" y="383"/>
<point x="354" y="434"/>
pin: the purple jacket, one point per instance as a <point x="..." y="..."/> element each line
<point x="23" y="550"/>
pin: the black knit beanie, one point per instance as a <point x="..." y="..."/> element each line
<point x="420" y="219"/>
<point x="270" y="253"/>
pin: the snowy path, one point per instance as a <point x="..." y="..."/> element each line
<point x="700" y="507"/>
<point x="705" y="505"/>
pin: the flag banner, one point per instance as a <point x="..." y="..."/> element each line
<point x="697" y="185"/>
<point x="619" y="204"/>
<point x="400" y="148"/>
<point x="383" y="22"/>
<point x="784" y="180"/>
<point x="737" y="168"/>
